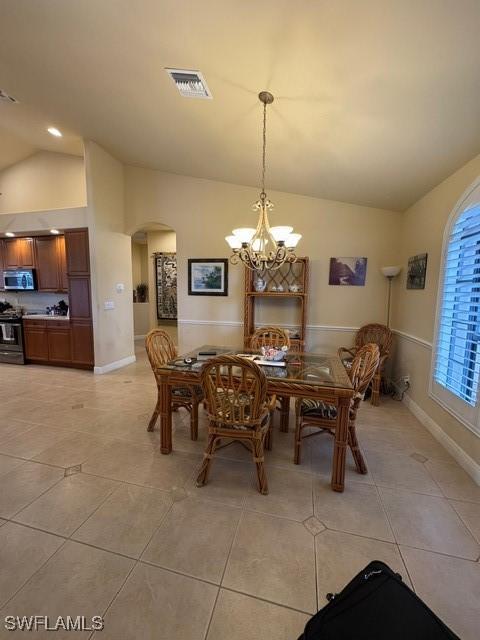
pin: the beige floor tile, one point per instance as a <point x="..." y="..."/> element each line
<point x="428" y="522"/>
<point x="229" y="482"/>
<point x="156" y="604"/>
<point x="77" y="580"/>
<point x="240" y="617"/>
<point x="450" y="586"/>
<point x="65" y="506"/>
<point x="7" y="464"/>
<point x="469" y="512"/>
<point x="340" y="556"/>
<point x="126" y="520"/>
<point x="402" y="471"/>
<point x="30" y="443"/>
<point x="269" y="556"/>
<point x="12" y="427"/>
<point x="290" y="495"/>
<point x="71" y="450"/>
<point x="321" y="451"/>
<point x="22" y="552"/>
<point x="454" y="482"/>
<point x="25" y="483"/>
<point x="357" y="510"/>
<point x="195" y="538"/>
<point x="126" y="462"/>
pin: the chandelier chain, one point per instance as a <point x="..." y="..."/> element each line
<point x="264" y="154"/>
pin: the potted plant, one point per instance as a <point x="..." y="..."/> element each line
<point x="142" y="290"/>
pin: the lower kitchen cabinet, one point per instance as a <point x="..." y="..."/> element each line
<point x="59" y="342"/>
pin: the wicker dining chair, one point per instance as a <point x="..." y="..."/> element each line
<point x="377" y="334"/>
<point x="271" y="336"/>
<point x="160" y="350"/>
<point x="322" y="416"/>
<point x="236" y="393"/>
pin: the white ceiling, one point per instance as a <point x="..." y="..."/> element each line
<point x="376" y="100"/>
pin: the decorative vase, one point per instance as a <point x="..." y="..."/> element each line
<point x="260" y="284"/>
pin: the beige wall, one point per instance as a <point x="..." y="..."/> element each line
<point x="111" y="257"/>
<point x="414" y="310"/>
<point x="44" y="181"/>
<point x="140" y="263"/>
<point x="202" y="212"/>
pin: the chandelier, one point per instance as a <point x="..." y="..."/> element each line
<point x="266" y="247"/>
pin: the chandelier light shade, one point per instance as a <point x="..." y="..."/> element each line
<point x="263" y="248"/>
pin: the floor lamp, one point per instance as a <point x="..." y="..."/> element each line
<point x="390" y="273"/>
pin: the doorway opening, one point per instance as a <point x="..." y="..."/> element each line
<point x="154" y="278"/>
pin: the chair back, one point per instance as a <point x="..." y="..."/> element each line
<point x="235" y="390"/>
<point x="270" y="337"/>
<point x="377" y="334"/>
<point x="363" y="369"/>
<point x="160" y="348"/>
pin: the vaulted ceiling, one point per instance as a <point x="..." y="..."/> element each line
<point x="375" y="101"/>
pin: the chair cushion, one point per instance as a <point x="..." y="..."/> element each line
<point x="243" y="399"/>
<point x="318" y="408"/>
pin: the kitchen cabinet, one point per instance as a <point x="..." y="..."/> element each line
<point x="82" y="343"/>
<point x="59" y="341"/>
<point x="78" y="256"/>
<point x="35" y="336"/>
<point x="51" y="263"/>
<point x="18" y="253"/>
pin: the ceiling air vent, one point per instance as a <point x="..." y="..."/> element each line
<point x="6" y="98"/>
<point x="191" y="84"/>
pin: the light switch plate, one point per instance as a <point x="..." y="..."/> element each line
<point x="108" y="305"/>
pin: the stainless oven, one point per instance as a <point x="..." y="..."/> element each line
<point x="19" y="280"/>
<point x="11" y="340"/>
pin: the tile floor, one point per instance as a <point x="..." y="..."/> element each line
<point x="94" y="521"/>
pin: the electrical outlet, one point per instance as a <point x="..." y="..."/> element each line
<point x="406" y="379"/>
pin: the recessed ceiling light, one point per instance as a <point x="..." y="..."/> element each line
<point x="190" y="84"/>
<point x="54" y="132"/>
<point x="55" y="232"/>
<point x="9" y="234"/>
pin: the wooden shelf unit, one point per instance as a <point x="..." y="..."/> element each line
<point x="288" y="274"/>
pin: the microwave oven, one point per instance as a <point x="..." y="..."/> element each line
<point x="19" y="280"/>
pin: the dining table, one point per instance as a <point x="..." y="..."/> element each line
<point x="304" y="375"/>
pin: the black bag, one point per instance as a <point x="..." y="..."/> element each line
<point x="376" y="605"/>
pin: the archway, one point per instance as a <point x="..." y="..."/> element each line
<point x="154" y="280"/>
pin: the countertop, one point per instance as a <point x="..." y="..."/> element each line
<point x="43" y="316"/>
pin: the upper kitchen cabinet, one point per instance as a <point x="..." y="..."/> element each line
<point x="78" y="256"/>
<point x="51" y="263"/>
<point x="18" y="253"/>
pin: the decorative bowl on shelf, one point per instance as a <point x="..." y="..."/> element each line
<point x="295" y="288"/>
<point x="273" y="354"/>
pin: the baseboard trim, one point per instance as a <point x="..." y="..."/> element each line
<point x="118" y="364"/>
<point x="463" y="459"/>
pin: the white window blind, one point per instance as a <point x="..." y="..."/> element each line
<point x="457" y="366"/>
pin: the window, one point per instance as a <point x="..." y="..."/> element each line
<point x="456" y="361"/>
<point x="458" y="354"/>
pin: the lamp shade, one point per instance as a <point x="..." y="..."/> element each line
<point x="292" y="240"/>
<point x="245" y="234"/>
<point x="234" y="242"/>
<point x="390" y="272"/>
<point x="280" y="234"/>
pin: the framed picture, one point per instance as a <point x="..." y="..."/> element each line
<point x="348" y="271"/>
<point x="166" y="283"/>
<point x="417" y="271"/>
<point x="208" y="277"/>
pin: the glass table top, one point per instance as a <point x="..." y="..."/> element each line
<point x="307" y="368"/>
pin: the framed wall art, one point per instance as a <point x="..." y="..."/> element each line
<point x="166" y="285"/>
<point x="417" y="271"/>
<point x="348" y="271"/>
<point x="207" y="277"/>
